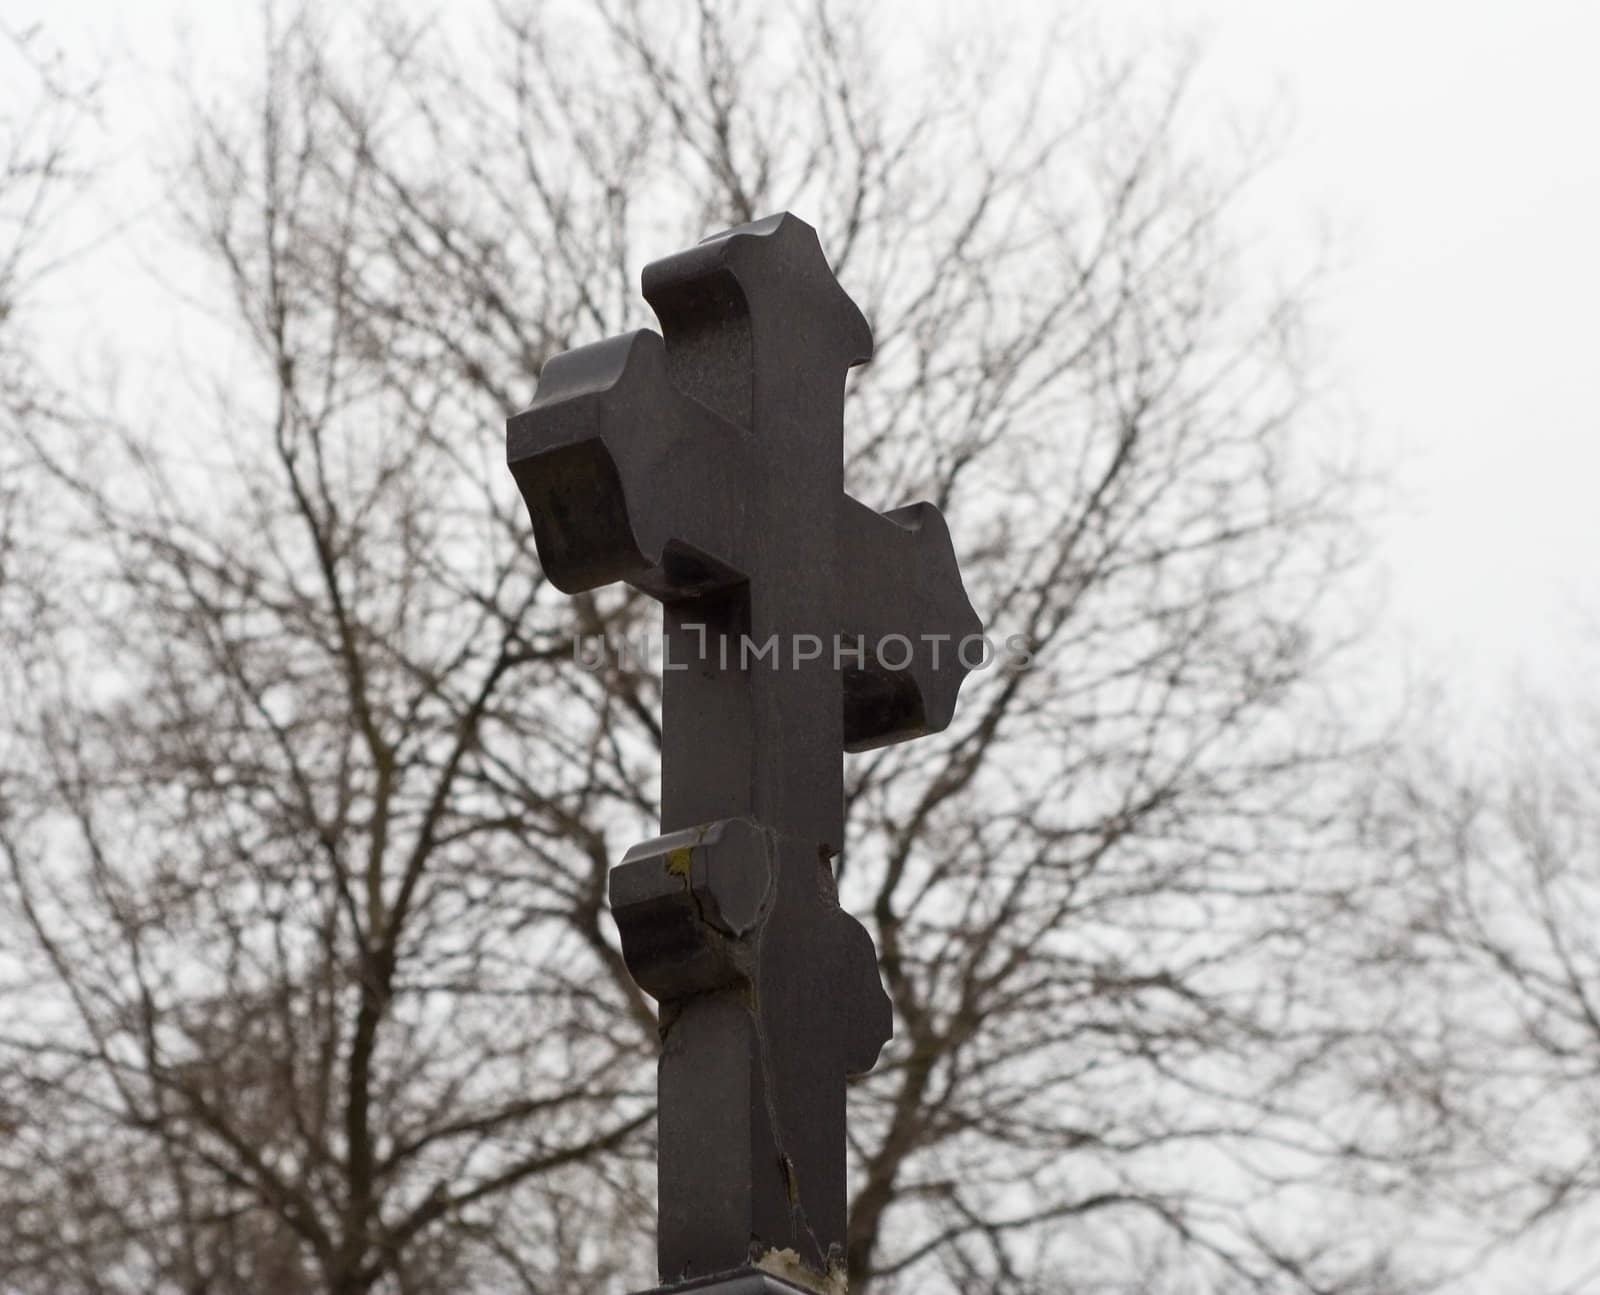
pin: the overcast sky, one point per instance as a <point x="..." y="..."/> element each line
<point x="1456" y="148"/>
<point x="1452" y="147"/>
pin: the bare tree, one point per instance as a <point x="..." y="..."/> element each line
<point x="1498" y="856"/>
<point x="318" y="988"/>
<point x="40" y="123"/>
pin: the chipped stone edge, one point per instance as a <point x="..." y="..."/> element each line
<point x="786" y="1264"/>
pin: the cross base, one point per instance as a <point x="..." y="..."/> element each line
<point x="742" y="1281"/>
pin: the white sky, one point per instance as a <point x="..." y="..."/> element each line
<point x="1454" y="147"/>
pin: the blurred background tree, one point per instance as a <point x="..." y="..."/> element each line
<point x="306" y="826"/>
<point x="1495" y="847"/>
<point x="41" y="171"/>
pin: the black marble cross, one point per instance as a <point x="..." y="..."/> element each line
<point x="704" y="466"/>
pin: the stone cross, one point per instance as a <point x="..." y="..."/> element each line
<point x="704" y="466"/>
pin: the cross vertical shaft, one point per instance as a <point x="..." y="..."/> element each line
<point x="761" y="742"/>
